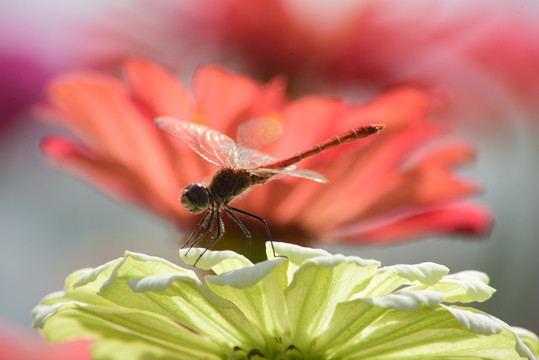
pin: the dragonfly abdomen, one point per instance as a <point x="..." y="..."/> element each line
<point x="346" y="137"/>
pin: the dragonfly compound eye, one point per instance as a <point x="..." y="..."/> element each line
<point x="195" y="198"/>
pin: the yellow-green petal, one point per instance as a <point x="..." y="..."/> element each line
<point x="195" y="306"/>
<point x="258" y="291"/>
<point x="150" y="333"/>
<point x="319" y="284"/>
<point x="295" y="254"/>
<point x="304" y="303"/>
<point x="117" y="289"/>
<point x="424" y="333"/>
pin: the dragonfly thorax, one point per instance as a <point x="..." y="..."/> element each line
<point x="195" y="198"/>
<point x="227" y="183"/>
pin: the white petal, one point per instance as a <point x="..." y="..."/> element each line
<point x="476" y="322"/>
<point x="295" y="253"/>
<point x="218" y="261"/>
<point x="426" y="273"/>
<point x="40" y="313"/>
<point x="90" y="274"/>
<point x="406" y="300"/>
<point x="464" y="287"/>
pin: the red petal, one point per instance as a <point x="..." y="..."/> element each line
<point x="469" y="219"/>
<point x="19" y="345"/>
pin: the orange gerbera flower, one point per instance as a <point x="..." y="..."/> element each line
<point x="390" y="187"/>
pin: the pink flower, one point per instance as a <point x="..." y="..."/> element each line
<point x="21" y="80"/>
<point x="482" y="54"/>
<point x="391" y="187"/>
<point x="38" y="40"/>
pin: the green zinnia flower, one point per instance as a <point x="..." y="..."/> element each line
<point x="309" y="305"/>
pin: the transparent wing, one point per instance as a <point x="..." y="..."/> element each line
<point x="257" y="132"/>
<point x="213" y="146"/>
<point x="254" y="161"/>
<point x="293" y="171"/>
<point x="247" y="158"/>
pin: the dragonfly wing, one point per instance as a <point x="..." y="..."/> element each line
<point x="213" y="146"/>
<point x="292" y="171"/>
<point x="257" y="132"/>
<point x="248" y="158"/>
<point x="254" y="161"/>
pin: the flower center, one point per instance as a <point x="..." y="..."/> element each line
<point x="290" y="353"/>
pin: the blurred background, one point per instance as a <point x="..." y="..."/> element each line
<point x="484" y="55"/>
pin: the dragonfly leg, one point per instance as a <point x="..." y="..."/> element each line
<point x="202" y="234"/>
<point x="199" y="226"/>
<point x="268" y="233"/>
<point x="243" y="228"/>
<point x="220" y="231"/>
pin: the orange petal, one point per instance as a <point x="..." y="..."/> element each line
<point x="100" y="109"/>
<point x="110" y="176"/>
<point x="223" y="98"/>
<point x="158" y="90"/>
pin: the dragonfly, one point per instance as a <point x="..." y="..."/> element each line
<point x="241" y="166"/>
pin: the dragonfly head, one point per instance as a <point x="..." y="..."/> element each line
<point x="195" y="198"/>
